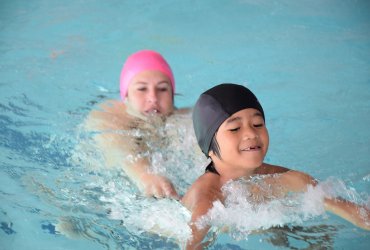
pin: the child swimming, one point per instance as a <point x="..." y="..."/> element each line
<point x="124" y="130"/>
<point x="140" y="134"/>
<point x="229" y="124"/>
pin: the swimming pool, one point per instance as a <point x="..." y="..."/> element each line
<point x="307" y="61"/>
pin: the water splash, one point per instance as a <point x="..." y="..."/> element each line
<point x="174" y="152"/>
<point x="243" y="213"/>
<point x="165" y="217"/>
<point x="92" y="188"/>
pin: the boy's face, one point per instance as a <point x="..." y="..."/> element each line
<point x="150" y="92"/>
<point x="243" y="140"/>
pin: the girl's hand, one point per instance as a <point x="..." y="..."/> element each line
<point x="158" y="186"/>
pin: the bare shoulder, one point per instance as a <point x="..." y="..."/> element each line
<point x="292" y="180"/>
<point x="109" y="107"/>
<point x="296" y="180"/>
<point x="109" y="115"/>
<point x="182" y="111"/>
<point x="205" y="190"/>
<point x="271" y="169"/>
<point x="180" y="117"/>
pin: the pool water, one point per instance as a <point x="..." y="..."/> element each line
<point x="307" y="61"/>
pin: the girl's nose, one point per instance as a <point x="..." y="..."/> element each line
<point x="152" y="96"/>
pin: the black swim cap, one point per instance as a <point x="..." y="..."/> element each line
<point x="216" y="105"/>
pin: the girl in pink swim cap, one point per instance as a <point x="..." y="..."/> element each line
<point x="147" y="84"/>
<point x="147" y="88"/>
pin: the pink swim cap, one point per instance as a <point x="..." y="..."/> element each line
<point x="141" y="61"/>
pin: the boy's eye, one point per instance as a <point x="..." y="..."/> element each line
<point x="258" y="125"/>
<point x="234" y="129"/>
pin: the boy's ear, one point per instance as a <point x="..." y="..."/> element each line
<point x="211" y="154"/>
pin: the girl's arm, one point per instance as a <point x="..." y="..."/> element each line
<point x="118" y="148"/>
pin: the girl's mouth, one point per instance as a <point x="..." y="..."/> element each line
<point x="152" y="111"/>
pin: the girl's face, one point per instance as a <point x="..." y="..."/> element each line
<point x="150" y="92"/>
<point x="243" y="140"/>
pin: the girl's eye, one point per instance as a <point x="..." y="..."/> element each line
<point x="141" y="89"/>
<point x="234" y="129"/>
<point x="163" y="89"/>
<point x="259" y="125"/>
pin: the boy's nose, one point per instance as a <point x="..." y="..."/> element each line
<point x="249" y="134"/>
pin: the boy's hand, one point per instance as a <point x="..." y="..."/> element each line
<point x="158" y="186"/>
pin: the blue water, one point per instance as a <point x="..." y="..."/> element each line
<point x="307" y="61"/>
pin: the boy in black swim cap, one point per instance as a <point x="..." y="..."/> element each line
<point x="229" y="124"/>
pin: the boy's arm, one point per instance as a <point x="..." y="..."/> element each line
<point x="198" y="234"/>
<point x="357" y="215"/>
<point x="199" y="200"/>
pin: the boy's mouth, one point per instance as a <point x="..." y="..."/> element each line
<point x="252" y="148"/>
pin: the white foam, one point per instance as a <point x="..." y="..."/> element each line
<point x="366" y="178"/>
<point x="243" y="213"/>
<point x="138" y="214"/>
<point x="173" y="156"/>
<point x="177" y="156"/>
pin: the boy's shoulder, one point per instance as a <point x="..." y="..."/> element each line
<point x="297" y="181"/>
<point x="265" y="169"/>
<point x="206" y="183"/>
<point x="292" y="180"/>
<point x="206" y="189"/>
